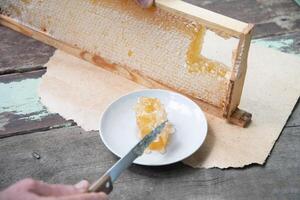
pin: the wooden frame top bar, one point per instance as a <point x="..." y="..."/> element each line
<point x="209" y="18"/>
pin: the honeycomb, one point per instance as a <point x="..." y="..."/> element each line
<point x="150" y="113"/>
<point x="196" y="63"/>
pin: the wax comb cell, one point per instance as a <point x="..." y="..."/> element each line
<point x="150" y="112"/>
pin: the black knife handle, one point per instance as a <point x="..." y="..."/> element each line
<point x="103" y="184"/>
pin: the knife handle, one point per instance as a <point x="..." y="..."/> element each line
<point x="103" y="184"/>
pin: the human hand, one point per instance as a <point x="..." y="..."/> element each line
<point x="29" y="189"/>
<point x="145" y="3"/>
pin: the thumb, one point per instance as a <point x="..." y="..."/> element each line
<point x="82" y="185"/>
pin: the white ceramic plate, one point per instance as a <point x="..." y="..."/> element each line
<point x="119" y="132"/>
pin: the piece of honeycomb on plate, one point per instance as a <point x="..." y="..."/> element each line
<point x="150" y="113"/>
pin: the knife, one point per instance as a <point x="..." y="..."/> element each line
<point x="105" y="183"/>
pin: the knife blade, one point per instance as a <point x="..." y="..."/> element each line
<point x="105" y="183"/>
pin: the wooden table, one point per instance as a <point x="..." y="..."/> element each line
<point x="36" y="143"/>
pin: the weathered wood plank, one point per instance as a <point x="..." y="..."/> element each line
<point x="294" y="119"/>
<point x="20" y="109"/>
<point x="21" y="53"/>
<point x="70" y="154"/>
<point x="288" y="43"/>
<point x="272" y="17"/>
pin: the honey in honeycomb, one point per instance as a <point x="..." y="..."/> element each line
<point x="149" y="114"/>
<point x="196" y="63"/>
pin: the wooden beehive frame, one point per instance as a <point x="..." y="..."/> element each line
<point x="213" y="21"/>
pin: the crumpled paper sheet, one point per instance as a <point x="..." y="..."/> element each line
<point x="81" y="91"/>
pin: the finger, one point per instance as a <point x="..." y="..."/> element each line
<point x="18" y="190"/>
<point x="44" y="189"/>
<point x="145" y="3"/>
<point x="84" y="196"/>
<point x="82" y="185"/>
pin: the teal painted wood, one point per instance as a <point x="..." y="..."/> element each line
<point x="20" y="97"/>
<point x="289" y="43"/>
<point x="276" y="44"/>
<point x="20" y="108"/>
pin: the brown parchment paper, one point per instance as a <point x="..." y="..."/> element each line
<point x="81" y="91"/>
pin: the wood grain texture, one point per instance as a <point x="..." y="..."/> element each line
<point x="277" y="23"/>
<point x="272" y="17"/>
<point x="20" y="109"/>
<point x="68" y="155"/>
<point x="211" y="19"/>
<point x="20" y="53"/>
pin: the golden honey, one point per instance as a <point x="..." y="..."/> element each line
<point x="198" y="63"/>
<point x="149" y="114"/>
<point x="130" y="53"/>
